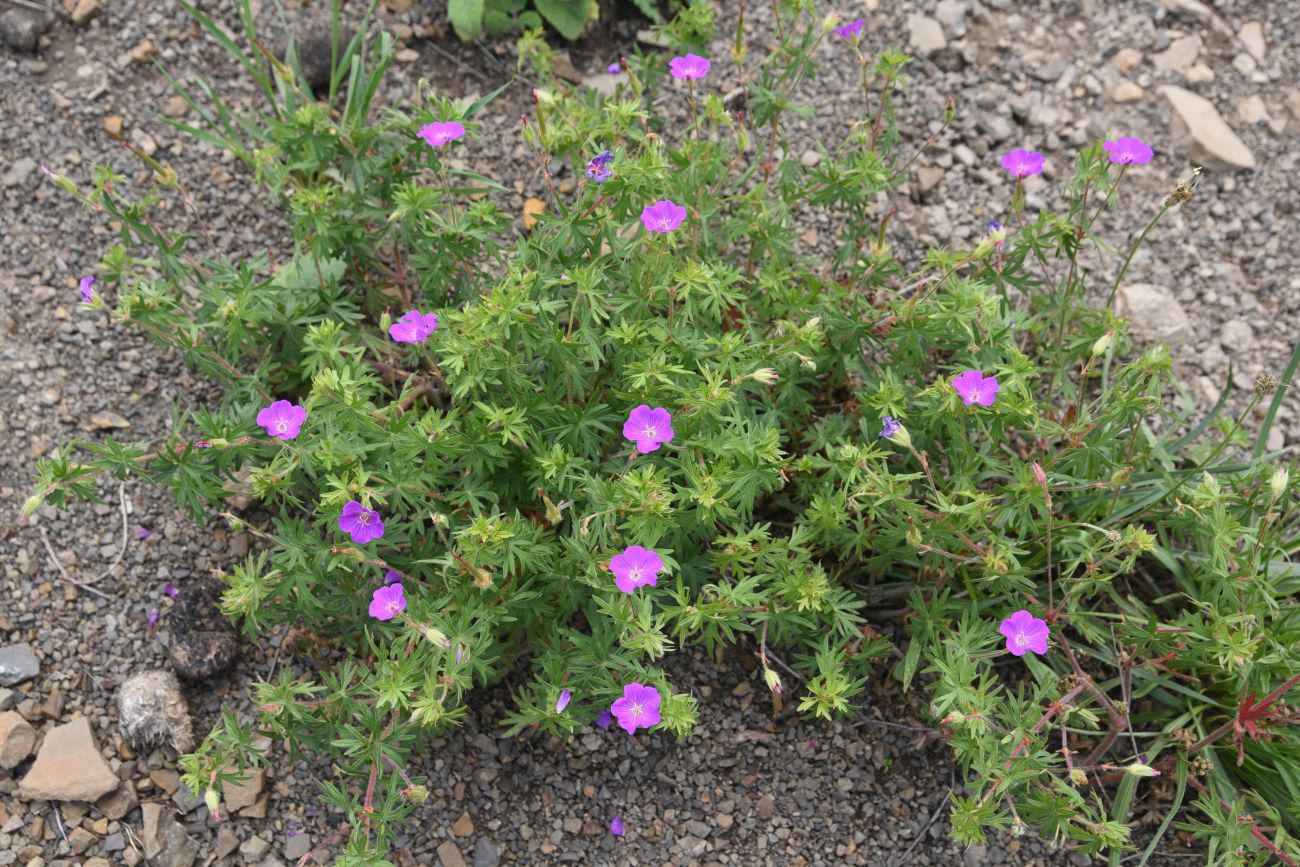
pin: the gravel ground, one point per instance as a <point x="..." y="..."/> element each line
<point x="753" y="786"/>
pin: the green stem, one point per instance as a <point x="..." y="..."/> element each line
<point x="1110" y="300"/>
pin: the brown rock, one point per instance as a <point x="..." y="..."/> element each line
<point x="765" y="806"/>
<point x="1127" y="91"/>
<point x="176" y="107"/>
<point x="165" y="840"/>
<point x="80" y="839"/>
<point x="68" y="767"/>
<point x="532" y="209"/>
<point x="52" y="707"/>
<point x="166" y="779"/>
<point x="1125" y="59"/>
<point x="240" y="795"/>
<point x="113" y="125"/>
<point x="464" y="826"/>
<point x="258" y="810"/>
<point x="143" y="52"/>
<point x="1213" y="140"/>
<point x="84" y="11"/>
<point x="17" y="738"/>
<point x="227" y="841"/>
<point x="450" y="856"/>
<point x="117" y="803"/>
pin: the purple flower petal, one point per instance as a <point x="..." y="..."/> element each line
<point x="1022" y="163"/>
<point x="440" y="133"/>
<point x="891" y="426"/>
<point x="1128" y="151"/>
<point x="663" y="216"/>
<point x="975" y="388"/>
<point x="86" y="285"/>
<point x="414" y="327"/>
<point x="152" y="620"/>
<point x="603" y="719"/>
<point x="850" y="31"/>
<point x="689" y="67"/>
<point x="387" y="602"/>
<point x="392" y="576"/>
<point x="648" y="428"/>
<point x="362" y="524"/>
<point x="616" y="826"/>
<point x="282" y="419"/>
<point x="614" y="68"/>
<point x="1024" y="632"/>
<point x="171" y="591"/>
<point x="565" y="697"/>
<point x="143" y="532"/>
<point x="638" y="708"/>
<point x="635" y="567"/>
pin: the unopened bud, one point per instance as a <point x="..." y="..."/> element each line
<point x="913" y="536"/>
<point x="1138" y="769"/>
<point x="830" y="22"/>
<point x="765" y="375"/>
<point x="438" y="519"/>
<point x="1103" y="344"/>
<point x="212" y="798"/>
<point x="415" y="794"/>
<point x="1078" y="777"/>
<point x="1039" y="475"/>
<point x="1276" y="485"/>
<point x="482" y="578"/>
<point x="33" y="503"/>
<point x="436" y="635"/>
<point x="773" y="680"/>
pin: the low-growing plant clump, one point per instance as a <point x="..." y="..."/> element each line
<point x="654" y="420"/>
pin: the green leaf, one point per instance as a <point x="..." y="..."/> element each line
<point x="566" y="16"/>
<point x="466" y="17"/>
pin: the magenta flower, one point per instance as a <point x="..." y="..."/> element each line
<point x="563" y="701"/>
<point x="414" y="327"/>
<point x="616" y="826"/>
<point x="1022" y="163"/>
<point x="975" y="388"/>
<point x="361" y="524"/>
<point x="282" y="419"/>
<point x="890" y="427"/>
<point x="852" y="30"/>
<point x="392" y="576"/>
<point x="648" y="428"/>
<point x="598" y="168"/>
<point x="614" y="68"/>
<point x="171" y="591"/>
<point x="638" y="708"/>
<point x="635" y="567"/>
<point x="663" y="216"/>
<point x="441" y="132"/>
<point x="1024" y="631"/>
<point x="1128" y="151"/>
<point x="387" y="602"/>
<point x="603" y="719"/>
<point x="143" y="532"/>
<point x="86" y="284"/>
<point x="690" y="67"/>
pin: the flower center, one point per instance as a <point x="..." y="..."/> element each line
<point x="665" y="223"/>
<point x="634" y="574"/>
<point x="282" y="425"/>
<point x="364" y="517"/>
<point x="637" y="711"/>
<point x="650" y="433"/>
<point x="1022" y="639"/>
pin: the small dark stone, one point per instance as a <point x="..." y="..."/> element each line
<point x="203" y="643"/>
<point x="20" y="28"/>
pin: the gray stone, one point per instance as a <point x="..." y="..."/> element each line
<point x="485" y="853"/>
<point x="114" y="843"/>
<point x="925" y="35"/>
<point x="240" y="795"/>
<point x="165" y="840"/>
<point x="1236" y="335"/>
<point x="254" y="849"/>
<point x="17" y="738"/>
<point x="450" y="856"/>
<point x="21" y="28"/>
<point x="1213" y="141"/>
<point x="17" y="664"/>
<point x="952" y="15"/>
<point x="1155" y="313"/>
<point x="296" y="846"/>
<point x="68" y="767"/>
<point x="152" y="711"/>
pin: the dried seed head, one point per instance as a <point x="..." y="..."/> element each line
<point x="1266" y="384"/>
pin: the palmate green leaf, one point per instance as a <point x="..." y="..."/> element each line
<point x="569" y="17"/>
<point x="466" y="18"/>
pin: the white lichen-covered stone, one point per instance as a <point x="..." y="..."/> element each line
<point x="152" y="710"/>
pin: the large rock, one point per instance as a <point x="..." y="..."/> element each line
<point x="17" y="738"/>
<point x="1213" y="141"/>
<point x="68" y="767"/>
<point x="20" y="28"/>
<point x="240" y="795"/>
<point x="17" y="663"/>
<point x="152" y="711"/>
<point x="203" y="643"/>
<point x="1155" y="314"/>
<point x="925" y="35"/>
<point x="165" y="841"/>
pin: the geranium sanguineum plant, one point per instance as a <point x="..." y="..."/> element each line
<point x="655" y="421"/>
